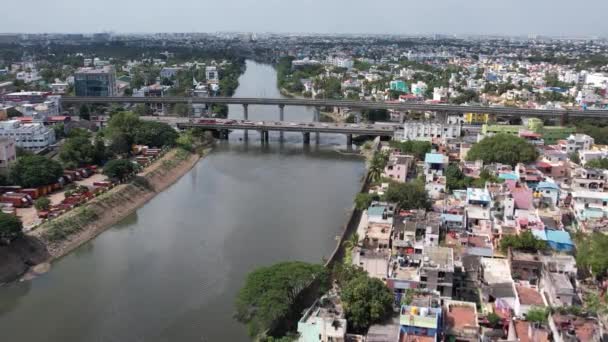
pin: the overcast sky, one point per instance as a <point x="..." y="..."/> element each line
<point x="553" y="17"/>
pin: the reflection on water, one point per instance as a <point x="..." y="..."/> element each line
<point x="170" y="272"/>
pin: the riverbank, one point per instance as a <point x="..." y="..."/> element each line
<point x="57" y="238"/>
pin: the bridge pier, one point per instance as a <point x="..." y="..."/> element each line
<point x="281" y="118"/>
<point x="246" y="117"/>
<point x="264" y="136"/>
<point x="401" y="117"/>
<point x="306" y="138"/>
<point x="317" y="118"/>
<point x="349" y="140"/>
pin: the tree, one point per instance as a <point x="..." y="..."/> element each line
<point x="366" y="301"/>
<point x="181" y="109"/>
<point x="141" y="109"/>
<point x="600" y="163"/>
<point x="592" y="253"/>
<point x="363" y="200"/>
<point x="375" y="115"/>
<point x="10" y="228"/>
<point x="120" y="144"/>
<point x="270" y="291"/>
<point x="121" y="129"/>
<point x="156" y="134"/>
<point x="537" y="315"/>
<point x="525" y="241"/>
<point x="408" y="196"/>
<point x="59" y="130"/>
<point x="377" y="165"/>
<point x="84" y="112"/>
<point x="77" y="151"/>
<point x="33" y="171"/>
<point x="119" y="168"/>
<point x="12" y="112"/>
<point x="100" y="151"/>
<point x="416" y="148"/>
<point x="42" y="203"/>
<point x="503" y="148"/>
<point x="574" y="157"/>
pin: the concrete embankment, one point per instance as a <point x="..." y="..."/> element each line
<point x="62" y="235"/>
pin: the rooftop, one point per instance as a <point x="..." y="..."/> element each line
<point x="435" y="158"/>
<point x="526" y="333"/>
<point x="478" y="195"/>
<point x="461" y="317"/>
<point x="529" y="296"/>
<point x="496" y="271"/>
<point x="439" y="257"/>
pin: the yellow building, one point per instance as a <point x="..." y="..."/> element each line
<point x="478" y="118"/>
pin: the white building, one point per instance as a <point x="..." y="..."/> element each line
<point x="341" y="62"/>
<point x="211" y="74"/>
<point x="30" y="136"/>
<point x="8" y="154"/>
<point x="578" y="142"/>
<point x="598" y="80"/>
<point x="440" y="94"/>
<point x="588" y="155"/>
<point x="426" y="131"/>
<point x="419" y="88"/>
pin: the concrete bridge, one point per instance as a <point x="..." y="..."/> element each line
<point x="224" y="126"/>
<point x="399" y="106"/>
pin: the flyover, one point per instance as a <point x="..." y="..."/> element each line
<point x="399" y="106"/>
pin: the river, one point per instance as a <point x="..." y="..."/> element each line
<point x="171" y="270"/>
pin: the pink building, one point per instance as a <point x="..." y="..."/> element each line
<point x="397" y="167"/>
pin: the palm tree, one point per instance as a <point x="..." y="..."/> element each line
<point x="352" y="242"/>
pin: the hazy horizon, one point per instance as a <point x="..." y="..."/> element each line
<point x="469" y="17"/>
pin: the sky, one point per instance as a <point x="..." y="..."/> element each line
<point x="503" y="17"/>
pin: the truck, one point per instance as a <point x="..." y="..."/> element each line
<point x="18" y="200"/>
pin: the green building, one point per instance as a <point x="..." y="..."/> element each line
<point x="399" y="85"/>
<point x="550" y="134"/>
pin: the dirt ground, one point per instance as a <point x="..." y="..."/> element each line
<point x="29" y="216"/>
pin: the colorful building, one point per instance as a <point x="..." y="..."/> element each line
<point x="417" y="321"/>
<point x="399" y="85"/>
<point x="478" y="118"/>
<point x="550" y="134"/>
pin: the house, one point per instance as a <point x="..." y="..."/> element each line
<point x="428" y="131"/>
<point x="576" y="142"/>
<point x="525" y="267"/>
<point x="588" y="179"/>
<point x="324" y="321"/>
<point x="418" y="323"/>
<point x="435" y="164"/>
<point x="568" y="327"/>
<point x="526" y="332"/>
<point x="477" y="210"/>
<point x="590" y="205"/>
<point x="588" y="155"/>
<point x="460" y="321"/>
<point x="547" y="191"/>
<point x="452" y="222"/>
<point x="529" y="298"/>
<point x="559" y="240"/>
<point x="557" y="288"/>
<point x="397" y="167"/>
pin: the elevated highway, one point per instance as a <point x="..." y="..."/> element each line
<point x="399" y="106"/>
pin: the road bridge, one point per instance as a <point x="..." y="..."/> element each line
<point x="317" y="103"/>
<point x="225" y="126"/>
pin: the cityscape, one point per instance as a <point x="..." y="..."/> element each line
<point x="265" y="186"/>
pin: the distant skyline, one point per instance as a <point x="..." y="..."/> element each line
<point x="482" y="17"/>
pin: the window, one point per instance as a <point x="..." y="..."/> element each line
<point x="440" y="274"/>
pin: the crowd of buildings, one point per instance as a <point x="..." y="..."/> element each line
<point x="446" y="267"/>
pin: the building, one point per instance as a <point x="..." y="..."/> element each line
<point x="59" y="88"/>
<point x="416" y="322"/>
<point x="30" y="136"/>
<point x="8" y="153"/>
<point x="590" y="205"/>
<point x="419" y="88"/>
<point x="427" y="131"/>
<point x="568" y="327"/>
<point x="324" y="321"/>
<point x="399" y="85"/>
<point x="550" y="134"/>
<point x="440" y="94"/>
<point x="95" y="82"/>
<point x="341" y="62"/>
<point x="397" y="167"/>
<point x="211" y="74"/>
<point x="477" y="118"/>
<point x="577" y="142"/>
<point x="169" y="72"/>
<point x="461" y="321"/>
<point x="588" y="179"/>
<point x="26" y="97"/>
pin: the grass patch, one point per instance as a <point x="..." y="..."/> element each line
<point x="63" y="227"/>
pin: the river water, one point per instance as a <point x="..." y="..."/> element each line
<point x="171" y="270"/>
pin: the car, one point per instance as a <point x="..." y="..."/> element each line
<point x="293" y="124"/>
<point x="302" y="124"/>
<point x="354" y="125"/>
<point x="277" y="123"/>
<point x="369" y="126"/>
<point x="311" y="125"/>
<point x="259" y="123"/>
<point x="324" y="125"/>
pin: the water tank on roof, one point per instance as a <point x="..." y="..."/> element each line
<point x="424" y="311"/>
<point x="414" y="310"/>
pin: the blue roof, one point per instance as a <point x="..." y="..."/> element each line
<point x="549" y="185"/>
<point x="376" y="211"/>
<point x="508" y="176"/>
<point x="559" y="236"/>
<point x="539" y="234"/>
<point x="452" y="217"/>
<point x="434" y="158"/>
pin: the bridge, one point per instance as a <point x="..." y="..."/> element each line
<point x="317" y="103"/>
<point x="224" y="126"/>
